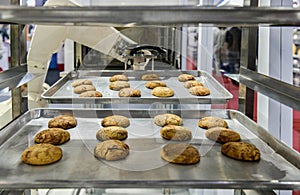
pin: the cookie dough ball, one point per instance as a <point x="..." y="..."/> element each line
<point x="112" y="132"/>
<point x="129" y="92"/>
<point x="176" y="133"/>
<point x="199" y="91"/>
<point x="162" y="92"/>
<point x="111" y="150"/>
<point x="118" y="85"/>
<point x="81" y="82"/>
<point x="185" y="77"/>
<point x="41" y="154"/>
<point x="153" y="84"/>
<point x="53" y="136"/>
<point x="167" y="119"/>
<point x="211" y="121"/>
<point x="91" y="94"/>
<point x="222" y="135"/>
<point x="193" y="83"/>
<point x="241" y="151"/>
<point x="62" y="121"/>
<point x="180" y="153"/>
<point x="115" y="120"/>
<point x="83" y="88"/>
<point x="150" y="77"/>
<point x="118" y="77"/>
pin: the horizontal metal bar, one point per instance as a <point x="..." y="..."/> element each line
<point x="150" y="15"/>
<point x="278" y="90"/>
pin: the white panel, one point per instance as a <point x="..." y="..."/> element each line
<point x="69" y="55"/>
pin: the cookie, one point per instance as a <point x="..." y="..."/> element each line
<point x="118" y="77"/>
<point x="111" y="150"/>
<point x="81" y="82"/>
<point x="241" y="151"/>
<point x="129" y="92"/>
<point x="193" y="83"/>
<point x="150" y="77"/>
<point x="91" y="94"/>
<point x="41" y="154"/>
<point x="162" y="92"/>
<point x="176" y="133"/>
<point x="62" y="121"/>
<point x="83" y="88"/>
<point x="180" y="153"/>
<point x="185" y="77"/>
<point x="222" y="135"/>
<point x="199" y="91"/>
<point x="112" y="132"/>
<point x="53" y="136"/>
<point x="167" y="119"/>
<point x="153" y="84"/>
<point x="115" y="120"/>
<point x="117" y="85"/>
<point x="211" y="121"/>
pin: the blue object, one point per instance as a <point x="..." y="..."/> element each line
<point x="53" y="62"/>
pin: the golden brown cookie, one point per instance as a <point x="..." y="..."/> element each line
<point x="185" y="77"/>
<point x="112" y="132"/>
<point x="53" y="136"/>
<point x="162" y="92"/>
<point x="241" y="151"/>
<point x="193" y="83"/>
<point x="118" y="77"/>
<point x="83" y="88"/>
<point x="111" y="150"/>
<point x="81" y="82"/>
<point x="222" y="135"/>
<point x="176" y="133"/>
<point x="150" y="77"/>
<point x="129" y="92"/>
<point x="115" y="120"/>
<point x="153" y="84"/>
<point x="180" y="153"/>
<point x="62" y="121"/>
<point x="91" y="94"/>
<point x="211" y="121"/>
<point x="117" y="85"/>
<point x="41" y="154"/>
<point x="199" y="91"/>
<point x="167" y="119"/>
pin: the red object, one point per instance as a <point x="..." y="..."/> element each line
<point x="60" y="67"/>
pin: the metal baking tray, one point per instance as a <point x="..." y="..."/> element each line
<point x="278" y="167"/>
<point x="62" y="91"/>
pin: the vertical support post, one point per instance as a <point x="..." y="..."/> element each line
<point x="17" y="58"/>
<point x="248" y="61"/>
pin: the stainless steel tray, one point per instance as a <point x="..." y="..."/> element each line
<point x="277" y="169"/>
<point x="62" y="92"/>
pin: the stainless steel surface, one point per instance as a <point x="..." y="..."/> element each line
<point x="150" y="15"/>
<point x="14" y="77"/>
<point x="283" y="92"/>
<point x="62" y="91"/>
<point x="144" y="167"/>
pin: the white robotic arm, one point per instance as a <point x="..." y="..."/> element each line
<point x="47" y="40"/>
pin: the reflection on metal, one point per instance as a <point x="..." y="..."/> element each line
<point x="14" y="77"/>
<point x="150" y="15"/>
<point x="282" y="92"/>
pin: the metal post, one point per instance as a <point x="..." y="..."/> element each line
<point x="248" y="61"/>
<point x="17" y="58"/>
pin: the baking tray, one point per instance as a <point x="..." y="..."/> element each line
<point x="62" y="91"/>
<point x="78" y="168"/>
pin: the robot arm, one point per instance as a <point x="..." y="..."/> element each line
<point x="47" y="40"/>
